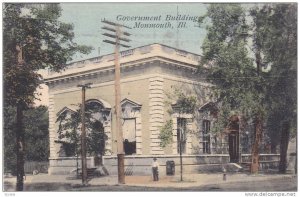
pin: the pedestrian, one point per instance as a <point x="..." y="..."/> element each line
<point x="224" y="174"/>
<point x="155" y="166"/>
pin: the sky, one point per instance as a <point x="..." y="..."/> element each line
<point x="87" y="17"/>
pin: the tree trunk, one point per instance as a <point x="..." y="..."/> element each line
<point x="255" y="148"/>
<point x="296" y="161"/>
<point x="20" y="147"/>
<point x="284" y="142"/>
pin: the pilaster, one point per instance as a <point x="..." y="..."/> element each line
<point x="156" y="113"/>
<point x="54" y="147"/>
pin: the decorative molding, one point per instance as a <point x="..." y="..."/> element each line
<point x="132" y="109"/>
<point x="82" y="73"/>
<point x="137" y="78"/>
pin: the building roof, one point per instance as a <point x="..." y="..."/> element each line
<point x="129" y="57"/>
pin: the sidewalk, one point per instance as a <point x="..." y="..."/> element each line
<point x="192" y="180"/>
<point x="189" y="180"/>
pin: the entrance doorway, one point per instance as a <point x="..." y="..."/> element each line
<point x="233" y="139"/>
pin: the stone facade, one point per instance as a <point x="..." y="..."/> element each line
<point x="148" y="73"/>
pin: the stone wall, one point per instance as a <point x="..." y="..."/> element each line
<point x="141" y="165"/>
<point x="64" y="165"/>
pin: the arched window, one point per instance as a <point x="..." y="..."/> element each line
<point x="208" y="112"/>
<point x="69" y="128"/>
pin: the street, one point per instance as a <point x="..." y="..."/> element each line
<point x="277" y="184"/>
<point x="274" y="185"/>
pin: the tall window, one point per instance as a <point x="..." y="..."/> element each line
<point x="129" y="135"/>
<point x="181" y="134"/>
<point x="69" y="129"/>
<point x="206" y="136"/>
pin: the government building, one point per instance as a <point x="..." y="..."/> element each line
<point x="149" y="75"/>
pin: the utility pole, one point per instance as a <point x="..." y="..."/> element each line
<point x="118" y="36"/>
<point x="181" y="140"/>
<point x="180" y="152"/>
<point x="83" y="135"/>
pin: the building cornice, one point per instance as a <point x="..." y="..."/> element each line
<point x="110" y="69"/>
<point x="105" y="65"/>
<point x="137" y="78"/>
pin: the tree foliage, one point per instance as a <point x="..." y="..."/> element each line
<point x="181" y="103"/>
<point x="44" y="42"/>
<point x="9" y="139"/>
<point x="36" y="133"/>
<point x="238" y="85"/>
<point x="166" y="133"/>
<point x="33" y="39"/>
<point x="70" y="129"/>
<point x="240" y="82"/>
<point x="185" y="104"/>
<point x="253" y="56"/>
<point x="277" y="26"/>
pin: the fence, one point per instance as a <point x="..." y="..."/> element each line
<point x="41" y="167"/>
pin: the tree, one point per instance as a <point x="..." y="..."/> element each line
<point x="166" y="133"/>
<point x="69" y="130"/>
<point x="9" y="135"/>
<point x="260" y="81"/>
<point x="32" y="41"/>
<point x="178" y="102"/>
<point x="36" y="123"/>
<point x="36" y="132"/>
<point x="96" y="139"/>
<point x="278" y="28"/>
<point x="183" y="105"/>
<point x="240" y="82"/>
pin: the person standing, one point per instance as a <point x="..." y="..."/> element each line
<point x="155" y="166"/>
